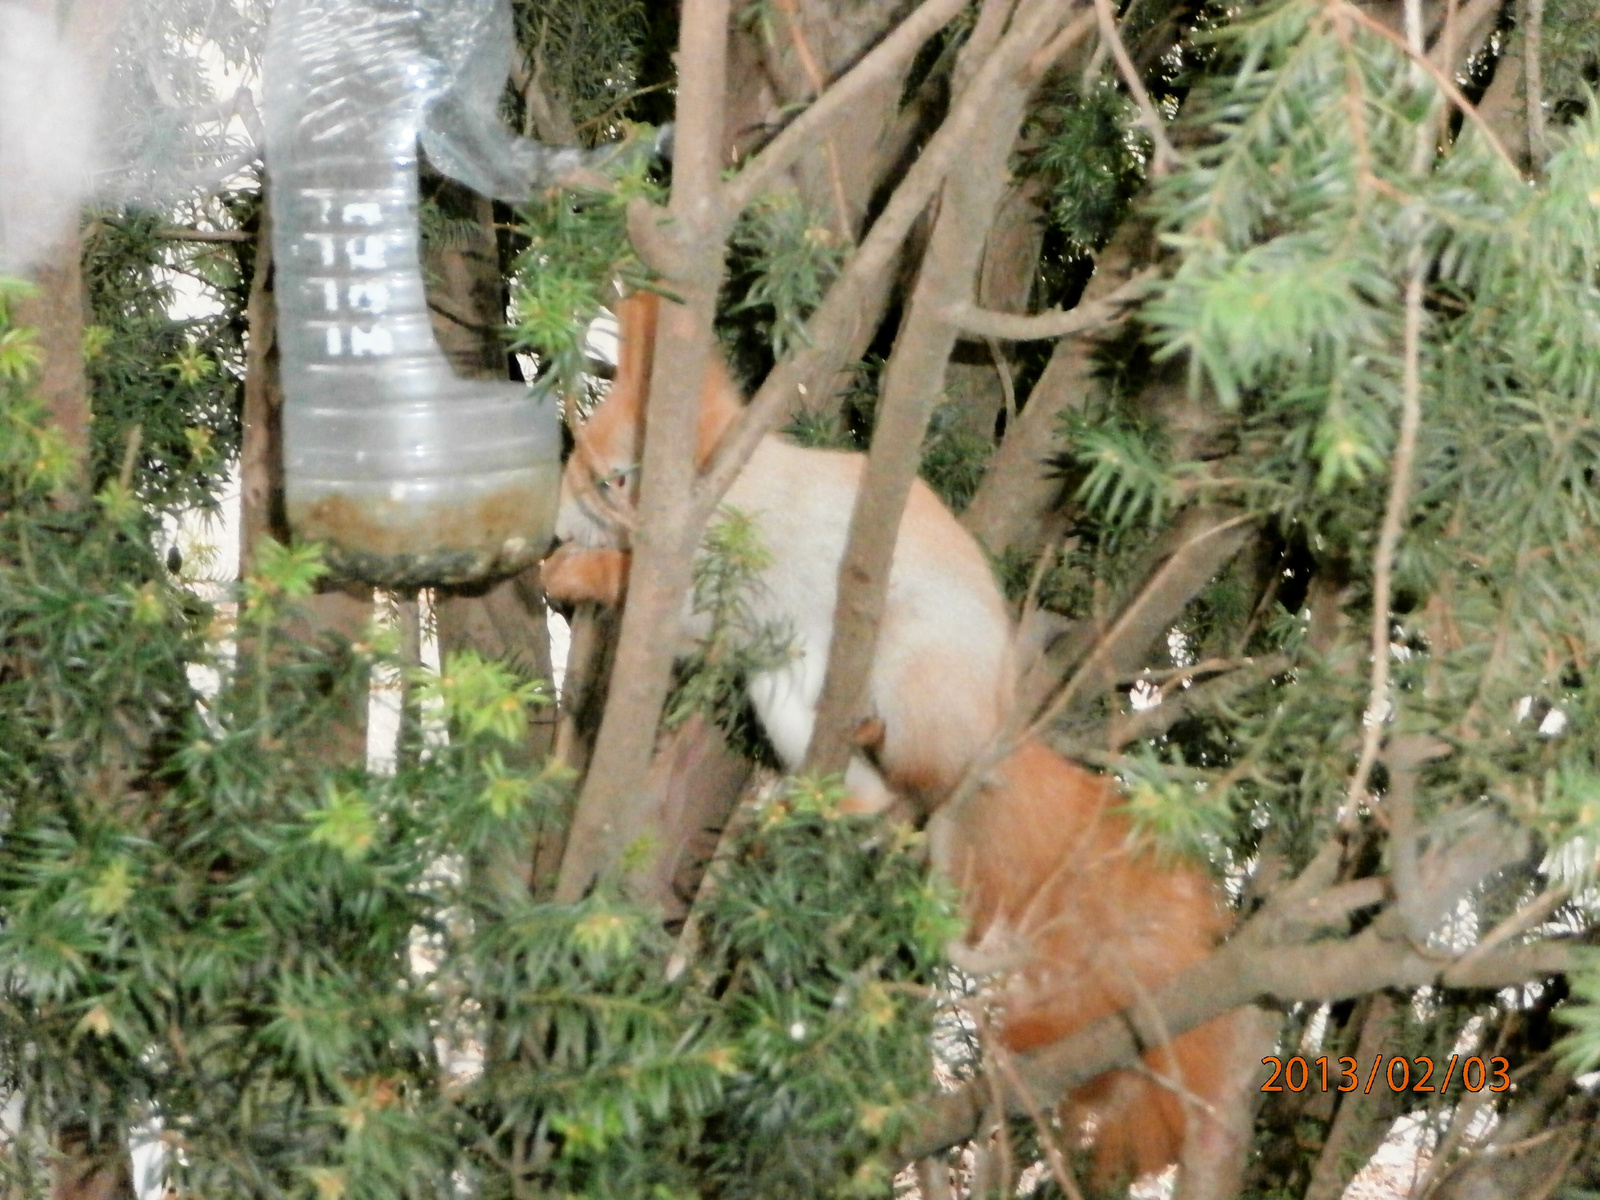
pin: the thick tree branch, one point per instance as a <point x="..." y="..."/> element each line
<point x="913" y="381"/>
<point x="883" y="62"/>
<point x="613" y="809"/>
<point x="1254" y="965"/>
<point x="833" y="325"/>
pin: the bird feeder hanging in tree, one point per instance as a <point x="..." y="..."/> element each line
<point x="409" y="474"/>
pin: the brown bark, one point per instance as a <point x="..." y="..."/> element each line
<point x="694" y="783"/>
<point x="688" y="246"/>
<point x="1362" y="1120"/>
<point x="1011" y="508"/>
<point x="912" y="383"/>
<point x="261" y="512"/>
<point x="506" y="620"/>
<point x="57" y="311"/>
<point x="1094" y="654"/>
<point x="1215" y="1154"/>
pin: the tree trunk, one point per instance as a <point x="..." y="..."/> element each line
<point x="915" y="377"/>
<point x="261" y="512"/>
<point x="689" y="238"/>
<point x="57" y="312"/>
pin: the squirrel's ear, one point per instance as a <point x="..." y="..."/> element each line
<point x="636" y="351"/>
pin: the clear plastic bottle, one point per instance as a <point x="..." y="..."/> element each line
<point x="409" y="474"/>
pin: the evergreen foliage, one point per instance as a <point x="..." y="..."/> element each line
<point x="1082" y="149"/>
<point x="577" y="253"/>
<point x="286" y="966"/>
<point x="736" y="643"/>
<point x="591" y="57"/>
<point x="781" y="259"/>
<point x="177" y="381"/>
<point x="1292" y="222"/>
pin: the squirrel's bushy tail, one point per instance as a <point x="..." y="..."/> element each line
<point x="1085" y="923"/>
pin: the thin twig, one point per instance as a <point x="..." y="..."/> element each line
<point x="1054" y="323"/>
<point x="1030" y="602"/>
<point x="130" y="456"/>
<point x="1053" y="1156"/>
<point x="1529" y="915"/>
<point x="1091" y="663"/>
<point x="1008" y="385"/>
<point x="997" y="1101"/>
<point x="819" y="83"/>
<point x="1166" y="156"/>
<point x="1389" y="537"/>
<point x="179" y="234"/>
<point x="1440" y="79"/>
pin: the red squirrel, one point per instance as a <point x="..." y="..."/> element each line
<point x="1081" y="924"/>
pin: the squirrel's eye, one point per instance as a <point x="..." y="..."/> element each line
<point x="616" y="479"/>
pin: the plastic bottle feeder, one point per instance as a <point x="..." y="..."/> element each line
<point x="409" y="474"/>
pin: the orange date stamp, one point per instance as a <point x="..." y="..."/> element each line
<point x="1345" y="1075"/>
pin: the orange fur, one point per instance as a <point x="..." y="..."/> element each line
<point x="575" y="575"/>
<point x="1086" y="925"/>
<point x="1081" y="925"/>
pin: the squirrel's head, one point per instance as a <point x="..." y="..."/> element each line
<point x="600" y="484"/>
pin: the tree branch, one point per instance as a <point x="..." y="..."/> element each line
<point x="179" y="234"/>
<point x="886" y="59"/>
<point x="1244" y="970"/>
<point x="1088" y="315"/>
<point x="1533" y="81"/>
<point x="614" y="807"/>
<point x="1206" y="541"/>
<point x="1279" y="953"/>
<point x="1123" y="729"/>
<point x="913" y="381"/>
<point x="1166" y="156"/>
<point x="1009" y="509"/>
<point x="1443" y="81"/>
<point x="835" y="321"/>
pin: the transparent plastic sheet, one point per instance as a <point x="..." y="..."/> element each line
<point x="178" y="116"/>
<point x="147" y="102"/>
<point x="46" y="135"/>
